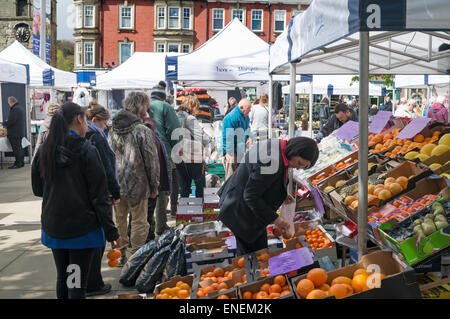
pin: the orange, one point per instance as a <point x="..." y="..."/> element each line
<point x="215" y="286"/>
<point x="285" y="293"/>
<point x="262" y="295"/>
<point x="384" y="194"/>
<point x="183" y="294"/>
<point x="114" y="254"/>
<point x="318" y="276"/>
<point x="359" y="283"/>
<point x="247" y="295"/>
<point x="350" y="199"/>
<point x="184" y="286"/>
<point x="230" y="275"/>
<point x="241" y="262"/>
<point x="223" y="285"/>
<point x="377" y="191"/>
<point x="316" y="294"/>
<point x="362" y="271"/>
<point x="175" y="290"/>
<point x="210" y="274"/>
<point x="285" y="287"/>
<point x="419" y="138"/>
<point x="113" y="263"/>
<point x="223" y="297"/>
<point x="403" y="181"/>
<point x="200" y="293"/>
<point x="370" y="189"/>
<point x="341" y="280"/>
<point x="218" y="272"/>
<point x="244" y="278"/>
<point x="164" y="296"/>
<point x="279" y="280"/>
<point x="179" y="283"/>
<point x="395" y="188"/>
<point x="237" y="284"/>
<point x="265" y="287"/>
<point x="207" y="290"/>
<point x="274" y="295"/>
<point x="264" y="257"/>
<point x="340" y="291"/>
<point x="304" y="287"/>
<point x="275" y="288"/>
<point x="389" y="180"/>
<point x="324" y="287"/>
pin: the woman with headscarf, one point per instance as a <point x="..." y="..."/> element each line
<point x="250" y="198"/>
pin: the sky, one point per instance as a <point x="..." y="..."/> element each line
<point x="65" y="19"/>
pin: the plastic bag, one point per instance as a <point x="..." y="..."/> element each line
<point x="287" y="211"/>
<point x="166" y="238"/>
<point x="136" y="263"/>
<point x="153" y="271"/>
<point x="176" y="264"/>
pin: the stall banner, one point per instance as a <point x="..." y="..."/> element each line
<point x="36" y="27"/>
<point x="48" y="12"/>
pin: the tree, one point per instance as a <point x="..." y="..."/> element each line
<point x="387" y="78"/>
<point x="64" y="58"/>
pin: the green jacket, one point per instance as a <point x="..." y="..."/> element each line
<point x="166" y="122"/>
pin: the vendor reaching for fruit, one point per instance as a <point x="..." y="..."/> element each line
<point x="250" y="198"/>
<point x="342" y="114"/>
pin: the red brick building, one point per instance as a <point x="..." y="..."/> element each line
<point x="108" y="32"/>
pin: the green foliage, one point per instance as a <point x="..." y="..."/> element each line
<point x="64" y="57"/>
<point x="387" y="78"/>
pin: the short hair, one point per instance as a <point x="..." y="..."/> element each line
<point x="135" y="101"/>
<point x="440" y="99"/>
<point x="12" y="100"/>
<point x="341" y="107"/>
<point x="97" y="111"/>
<point x="432" y="100"/>
<point x="244" y="101"/>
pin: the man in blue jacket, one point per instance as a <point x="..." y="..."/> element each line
<point x="235" y="136"/>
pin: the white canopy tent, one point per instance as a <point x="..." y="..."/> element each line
<point x="142" y="70"/>
<point x="421" y="81"/>
<point x="334" y="85"/>
<point x="41" y="74"/>
<point x="367" y="37"/>
<point x="13" y="72"/>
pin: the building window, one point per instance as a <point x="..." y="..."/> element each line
<point x="186" y="18"/>
<point x="257" y="20"/>
<point x="174" y="18"/>
<point x="161" y="20"/>
<point x="88" y="16"/>
<point x="160" y="47"/>
<point x="89" y="53"/>
<point x="22" y="9"/>
<point x="78" y="53"/>
<point x="279" y="20"/>
<point x="126" y="18"/>
<point x="125" y="51"/>
<point x="78" y="16"/>
<point x="237" y="13"/>
<point x="186" y="48"/>
<point x="173" y="47"/>
<point x="218" y="17"/>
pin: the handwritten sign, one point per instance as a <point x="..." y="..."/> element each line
<point x="289" y="261"/>
<point x="379" y="122"/>
<point x="348" y="131"/>
<point x="413" y="128"/>
<point x="231" y="242"/>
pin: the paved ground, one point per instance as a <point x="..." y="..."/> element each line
<point x="27" y="269"/>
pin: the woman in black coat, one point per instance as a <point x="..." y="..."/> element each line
<point x="76" y="217"/>
<point x="251" y="196"/>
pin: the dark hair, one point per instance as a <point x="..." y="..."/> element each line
<point x="304" y="147"/>
<point x="57" y="136"/>
<point x="341" y="107"/>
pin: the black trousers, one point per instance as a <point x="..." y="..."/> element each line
<point x="95" y="279"/>
<point x="175" y="192"/>
<point x="16" y="145"/>
<point x="80" y="260"/>
<point x="243" y="247"/>
<point x="188" y="172"/>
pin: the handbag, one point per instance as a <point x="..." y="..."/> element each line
<point x="192" y="150"/>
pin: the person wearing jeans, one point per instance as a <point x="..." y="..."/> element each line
<point x="191" y="170"/>
<point x="68" y="173"/>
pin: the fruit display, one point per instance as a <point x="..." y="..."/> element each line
<point x="317" y="239"/>
<point x="181" y="290"/>
<point x="270" y="288"/>
<point x="317" y="285"/>
<point x="113" y="257"/>
<point x="220" y="279"/>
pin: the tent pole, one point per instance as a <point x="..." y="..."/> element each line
<point x="363" y="142"/>
<point x="270" y="105"/>
<point x="175" y="89"/>
<point x="449" y="100"/>
<point x="311" y="109"/>
<point x="291" y="117"/>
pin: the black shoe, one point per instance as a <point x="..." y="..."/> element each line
<point x="14" y="166"/>
<point x="122" y="261"/>
<point x="102" y="291"/>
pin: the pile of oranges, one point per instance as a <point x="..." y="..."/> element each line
<point x="277" y="289"/>
<point x="113" y="257"/>
<point x="316" y="285"/>
<point x="181" y="291"/>
<point x="221" y="281"/>
<point x="317" y="239"/>
<point x="342" y="165"/>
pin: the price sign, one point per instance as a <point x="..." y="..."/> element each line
<point x="348" y="131"/>
<point x="379" y="122"/>
<point x="289" y="261"/>
<point x="413" y="128"/>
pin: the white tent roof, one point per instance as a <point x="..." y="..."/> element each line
<point x="421" y="81"/>
<point x="334" y="85"/>
<point x="233" y="54"/>
<point x="12" y="72"/>
<point x="17" y="53"/>
<point x="325" y="39"/>
<point x="141" y="70"/>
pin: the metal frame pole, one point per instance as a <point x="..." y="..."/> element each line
<point x="311" y="95"/>
<point x="363" y="142"/>
<point x="292" y="107"/>
<point x="175" y="89"/>
<point x="270" y="105"/>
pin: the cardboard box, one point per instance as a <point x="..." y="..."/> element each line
<point x="231" y="294"/>
<point x="331" y="181"/>
<point x="256" y="287"/>
<point x="211" y="190"/>
<point x="207" y="229"/>
<point x="433" y="287"/>
<point x="326" y="173"/>
<point x="399" y="283"/>
<point x="201" y="249"/>
<point x="211" y="201"/>
<point x="194" y="267"/>
<point x="441" y="159"/>
<point x="173" y="282"/>
<point x="183" y="201"/>
<point x="319" y="253"/>
<point x="408" y="169"/>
